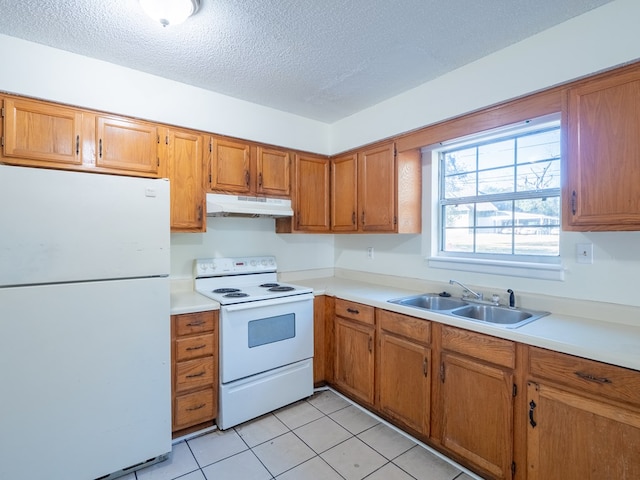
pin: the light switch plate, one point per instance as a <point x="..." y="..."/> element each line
<point x="584" y="253"/>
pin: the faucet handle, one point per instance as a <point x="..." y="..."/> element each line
<point x="512" y="299"/>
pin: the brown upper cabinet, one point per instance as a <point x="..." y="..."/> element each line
<point x="602" y="169"/>
<point x="41" y="134"/>
<point x="377" y="208"/>
<point x="230" y="166"/>
<point x="239" y="168"/>
<point x="310" y="196"/>
<point x="344" y="193"/>
<point x="373" y="190"/>
<point x="127" y="145"/>
<point x="388" y="191"/>
<point x="182" y="151"/>
<point x="273" y="168"/>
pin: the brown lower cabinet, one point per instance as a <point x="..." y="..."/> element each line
<point x="194" y="369"/>
<point x="502" y="409"/>
<point x="403" y="370"/>
<point x="584" y="419"/>
<point x="354" y="350"/>
<point x="475" y="400"/>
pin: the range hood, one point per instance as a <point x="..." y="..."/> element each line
<point x="220" y="205"/>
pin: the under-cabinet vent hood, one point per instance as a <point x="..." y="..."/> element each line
<point x="220" y="205"/>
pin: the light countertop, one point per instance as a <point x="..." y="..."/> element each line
<point x="608" y="342"/>
<point x="604" y="341"/>
<point x="185" y="300"/>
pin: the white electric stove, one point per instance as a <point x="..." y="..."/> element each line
<point x="266" y="336"/>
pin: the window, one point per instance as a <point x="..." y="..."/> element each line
<point x="499" y="196"/>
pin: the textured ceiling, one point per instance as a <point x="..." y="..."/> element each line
<point x="321" y="59"/>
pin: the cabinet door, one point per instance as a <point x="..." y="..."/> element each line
<point x="477" y="413"/>
<point x="603" y="154"/>
<point x="354" y="361"/>
<point x="311" y="194"/>
<point x="230" y="167"/>
<point x="184" y="168"/>
<point x="37" y="133"/>
<point x="404" y="385"/>
<point x="344" y="194"/>
<point x="273" y="169"/>
<point x="571" y="437"/>
<point x="127" y="146"/>
<point x="376" y="189"/>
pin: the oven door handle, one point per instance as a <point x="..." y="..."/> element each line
<point x="265" y="303"/>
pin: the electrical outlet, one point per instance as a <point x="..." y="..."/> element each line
<point x="370" y="253"/>
<point x="584" y="253"/>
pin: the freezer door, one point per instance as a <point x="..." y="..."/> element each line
<point x="58" y="226"/>
<point x="85" y="375"/>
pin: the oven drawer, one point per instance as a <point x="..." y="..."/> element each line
<point x="192" y="323"/>
<point x="193" y="374"/>
<point x="193" y="408"/>
<point x="194" y="347"/>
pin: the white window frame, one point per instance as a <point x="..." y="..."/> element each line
<point x="529" y="266"/>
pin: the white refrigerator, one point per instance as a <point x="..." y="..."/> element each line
<point x="84" y="324"/>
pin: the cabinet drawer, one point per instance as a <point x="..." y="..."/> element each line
<point x="355" y="311"/>
<point x="194" y="347"/>
<point x="477" y="345"/>
<point x="602" y="379"/>
<point x="410" y="327"/>
<point x="194" y="373"/>
<point x="189" y="323"/>
<point x="194" y="408"/>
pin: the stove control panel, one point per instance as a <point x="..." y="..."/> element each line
<point x="216" y="267"/>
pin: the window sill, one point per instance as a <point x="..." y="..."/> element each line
<point x="543" y="271"/>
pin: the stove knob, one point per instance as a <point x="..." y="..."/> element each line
<point x="253" y="263"/>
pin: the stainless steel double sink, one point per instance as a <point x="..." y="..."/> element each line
<point x="479" y="312"/>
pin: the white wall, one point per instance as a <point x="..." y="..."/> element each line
<point x="597" y="40"/>
<point x="231" y="236"/>
<point x="612" y="278"/>
<point x="38" y="71"/>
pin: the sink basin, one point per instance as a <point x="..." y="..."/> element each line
<point x="477" y="312"/>
<point x="430" y="301"/>
<point x="509" y="317"/>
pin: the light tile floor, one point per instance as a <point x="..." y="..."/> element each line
<point x="324" y="437"/>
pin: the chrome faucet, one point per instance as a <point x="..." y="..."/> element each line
<point x="478" y="296"/>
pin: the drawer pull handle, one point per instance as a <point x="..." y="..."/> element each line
<point x="197" y="347"/>
<point x="532" y="406"/>
<point x="353" y="310"/>
<point x="591" y="378"/>
<point x="195" y="324"/>
<point x="196" y="375"/>
<point x="197" y="407"/>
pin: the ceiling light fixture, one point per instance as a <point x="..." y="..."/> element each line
<point x="170" y="12"/>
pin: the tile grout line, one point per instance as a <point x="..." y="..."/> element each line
<point x="318" y="455"/>
<point x="406" y="435"/>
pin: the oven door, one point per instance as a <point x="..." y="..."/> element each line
<point x="259" y="336"/>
